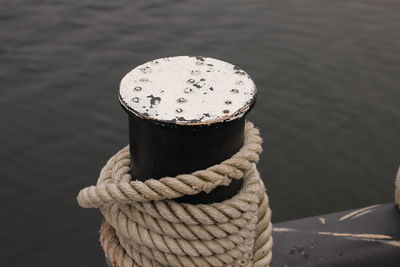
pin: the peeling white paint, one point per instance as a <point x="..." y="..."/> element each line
<point x="384" y="239"/>
<point x="358" y="213"/>
<point x="283" y="229"/>
<point x="375" y="236"/>
<point x="361" y="214"/>
<point x="379" y="238"/>
<point x="187" y="89"/>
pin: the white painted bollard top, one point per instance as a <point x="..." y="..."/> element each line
<point x="187" y="90"/>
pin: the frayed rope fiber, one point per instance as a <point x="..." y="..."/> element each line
<point x="145" y="227"/>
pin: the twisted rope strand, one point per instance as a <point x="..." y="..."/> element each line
<point x="107" y="192"/>
<point x="164" y="242"/>
<point x="144" y="227"/>
<point x="397" y="188"/>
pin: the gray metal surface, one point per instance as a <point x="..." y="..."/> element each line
<point x="367" y="237"/>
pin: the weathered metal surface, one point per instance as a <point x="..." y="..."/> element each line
<point x="159" y="150"/>
<point x="366" y="237"/>
<point x="186" y="114"/>
<point x="187" y="90"/>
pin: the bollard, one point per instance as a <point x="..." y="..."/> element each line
<point x="186" y="114"/>
<point x="186" y="119"/>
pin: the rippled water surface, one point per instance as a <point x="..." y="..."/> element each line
<point x="328" y="107"/>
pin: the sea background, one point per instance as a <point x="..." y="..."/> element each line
<point x="328" y="105"/>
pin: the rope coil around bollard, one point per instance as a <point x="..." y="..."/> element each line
<point x="397" y="189"/>
<point x="145" y="227"/>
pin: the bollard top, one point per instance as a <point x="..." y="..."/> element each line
<point x="187" y="90"/>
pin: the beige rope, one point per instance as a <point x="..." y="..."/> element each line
<point x="397" y="188"/>
<point x="144" y="227"/>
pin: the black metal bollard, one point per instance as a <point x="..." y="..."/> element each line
<point x="186" y="114"/>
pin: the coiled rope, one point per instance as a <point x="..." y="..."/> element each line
<point x="144" y="227"/>
<point x="397" y="189"/>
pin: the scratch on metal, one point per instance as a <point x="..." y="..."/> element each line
<point x="358" y="213"/>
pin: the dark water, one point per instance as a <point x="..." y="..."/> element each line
<point x="329" y="104"/>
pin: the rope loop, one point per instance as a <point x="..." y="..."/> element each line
<point x="145" y="227"/>
<point x="115" y="184"/>
<point x="397" y="189"/>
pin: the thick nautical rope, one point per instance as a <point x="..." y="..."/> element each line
<point x="145" y="227"/>
<point x="397" y="189"/>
